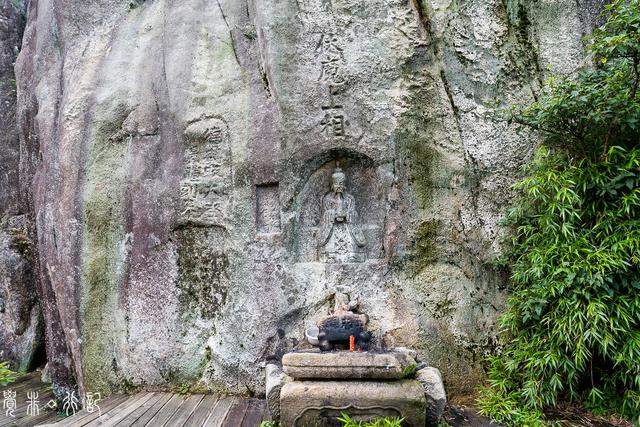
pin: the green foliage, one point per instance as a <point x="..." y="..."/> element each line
<point x="409" y="371"/>
<point x="380" y="422"/>
<point x="7" y="376"/>
<point x="572" y="327"/>
<point x="183" y="389"/>
<point x="349" y="422"/>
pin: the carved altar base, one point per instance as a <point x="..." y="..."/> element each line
<point x="315" y="388"/>
<point x="308" y="403"/>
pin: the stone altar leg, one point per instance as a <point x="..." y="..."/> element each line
<point x="433" y="387"/>
<point x="275" y="380"/>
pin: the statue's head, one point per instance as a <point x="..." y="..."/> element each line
<point x="338" y="181"/>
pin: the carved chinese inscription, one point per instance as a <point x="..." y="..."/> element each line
<point x="333" y="123"/>
<point x="340" y="237"/>
<point x="329" y="53"/>
<point x="204" y="189"/>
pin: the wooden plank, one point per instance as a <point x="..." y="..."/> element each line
<point x="148" y="415"/>
<point x="219" y="412"/>
<point x="133" y="417"/>
<point x="84" y="417"/>
<point x="202" y="412"/>
<point x="121" y="411"/>
<point x="255" y="413"/>
<point x="184" y="411"/>
<point x="42" y="399"/>
<point x="119" y="405"/>
<point x="22" y="406"/>
<point x="23" y="385"/>
<point x="46" y="417"/>
<point x="167" y="410"/>
<point x="19" y="412"/>
<point x="236" y="413"/>
<point x="22" y="378"/>
<point x="30" y="384"/>
<point x="49" y="419"/>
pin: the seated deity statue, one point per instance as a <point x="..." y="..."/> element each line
<point x="340" y="237"/>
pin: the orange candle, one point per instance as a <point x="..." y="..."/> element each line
<point x="352" y="343"/>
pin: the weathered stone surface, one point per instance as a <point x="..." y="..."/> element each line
<point x="11" y="26"/>
<point x="179" y="152"/>
<point x="431" y="381"/>
<point x="347" y="365"/>
<point x="21" y="334"/>
<point x="276" y="379"/>
<point x="305" y="403"/>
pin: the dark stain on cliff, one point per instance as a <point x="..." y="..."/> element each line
<point x="203" y="267"/>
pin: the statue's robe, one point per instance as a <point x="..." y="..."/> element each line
<point x="340" y="240"/>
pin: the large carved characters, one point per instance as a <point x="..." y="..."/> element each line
<point x="205" y="187"/>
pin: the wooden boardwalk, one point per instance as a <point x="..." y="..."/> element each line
<point x="142" y="409"/>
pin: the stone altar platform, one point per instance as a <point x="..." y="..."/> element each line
<point x="315" y="388"/>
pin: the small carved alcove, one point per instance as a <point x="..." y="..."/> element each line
<point x="267" y="208"/>
<point x="365" y="187"/>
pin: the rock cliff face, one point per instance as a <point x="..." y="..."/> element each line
<point x="20" y="316"/>
<point x="182" y="155"/>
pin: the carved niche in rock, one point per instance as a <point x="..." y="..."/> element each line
<point x="342" y="212"/>
<point x="205" y="189"/>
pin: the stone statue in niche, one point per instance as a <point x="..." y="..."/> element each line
<point x="340" y="236"/>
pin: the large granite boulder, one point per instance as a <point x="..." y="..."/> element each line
<point x="21" y="327"/>
<point x="183" y="161"/>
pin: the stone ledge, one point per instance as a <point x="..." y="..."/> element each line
<point x="346" y="365"/>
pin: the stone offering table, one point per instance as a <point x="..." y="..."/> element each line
<point x="342" y="365"/>
<point x="315" y="388"/>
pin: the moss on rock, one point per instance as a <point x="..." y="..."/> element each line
<point x="103" y="233"/>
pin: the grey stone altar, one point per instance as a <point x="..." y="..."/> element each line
<point x="315" y="388"/>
